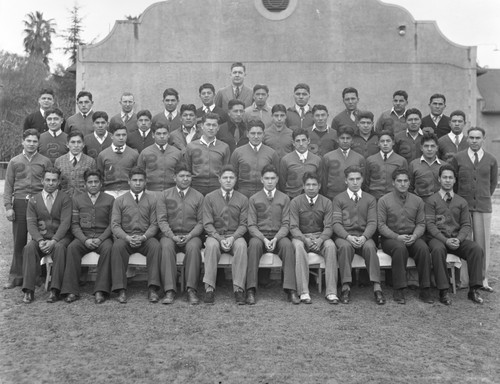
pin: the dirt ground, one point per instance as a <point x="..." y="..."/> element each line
<point x="271" y="342"/>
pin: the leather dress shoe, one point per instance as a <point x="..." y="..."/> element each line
<point x="345" y="296"/>
<point x="239" y="296"/>
<point x="169" y="297"/>
<point x="153" y="296"/>
<point x="332" y="299"/>
<point x="379" y="297"/>
<point x="209" y="297"/>
<point x="474" y="296"/>
<point x="293" y="297"/>
<point x="53" y="296"/>
<point x="16" y="282"/>
<point x="70" y="298"/>
<point x="399" y="296"/>
<point x="99" y="297"/>
<point x="29" y="296"/>
<point x="305" y="298"/>
<point x="486" y="288"/>
<point x="425" y="296"/>
<point x="192" y="297"/>
<point x="122" y="296"/>
<point x="250" y="297"/>
<point x="444" y="297"/>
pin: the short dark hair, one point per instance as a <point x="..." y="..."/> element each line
<point x="260" y="86"/>
<point x="477" y="129"/>
<point x="300" y="131"/>
<point x="458" y="113"/>
<point x="366" y="115"/>
<point x="385" y="133"/>
<point x="74" y="133"/>
<point x="429" y="137"/>
<point x="346" y="130"/>
<point x="144" y="112"/>
<point x="52" y="170"/>
<point x="352" y="169"/>
<point x="31" y="132"/>
<point x="227" y="168"/>
<point x="447" y="167"/>
<point x="310" y="175"/>
<point x="136" y="171"/>
<point x="437" y="96"/>
<point x="400" y="171"/>
<point x="269" y="168"/>
<point x="400" y="93"/>
<point x="319" y="107"/>
<point x="302" y="86"/>
<point x="170" y="92"/>
<point x="206" y="86"/>
<point x="98" y="114"/>
<point x="188" y="107"/>
<point x="181" y="166"/>
<point x="238" y="64"/>
<point x="210" y="115"/>
<point x="234" y="102"/>
<point x="57" y="111"/>
<point x="83" y="94"/>
<point x="349" y="90"/>
<point x="278" y="108"/>
<point x="115" y="126"/>
<point x="255" y="123"/>
<point x="47" y="91"/>
<point x="413" y="111"/>
<point x="92" y="172"/>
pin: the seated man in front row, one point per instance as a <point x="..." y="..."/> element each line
<point x="91" y="226"/>
<point x="448" y="224"/>
<point x="225" y="213"/>
<point x="401" y="224"/>
<point x="179" y="210"/>
<point x="134" y="226"/>
<point x="268" y="222"/>
<point x="311" y="226"/>
<point x="354" y="224"/>
<point x="49" y="218"/>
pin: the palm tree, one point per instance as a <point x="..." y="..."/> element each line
<point x="38" y="40"/>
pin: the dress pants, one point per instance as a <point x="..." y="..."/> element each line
<point x="31" y="263"/>
<point x="345" y="254"/>
<point x="192" y="263"/>
<point x="285" y="252"/>
<point x="400" y="253"/>
<point x="74" y="254"/>
<point x="20" y="235"/>
<point x="238" y="266"/>
<point x="120" y="253"/>
<point x="328" y="251"/>
<point x="468" y="250"/>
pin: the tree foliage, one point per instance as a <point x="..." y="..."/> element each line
<point x="73" y="35"/>
<point x="38" y="37"/>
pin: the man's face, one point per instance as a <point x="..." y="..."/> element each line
<point x="429" y="149"/>
<point x="447" y="180"/>
<point x="385" y="143"/>
<point x="84" y="104"/>
<point x="227" y="181"/>
<point x="365" y="126"/>
<point x="75" y="145"/>
<point x="30" y="144"/>
<point x="161" y="136"/>
<point x="301" y="143"/>
<point x="311" y="187"/>
<point x="399" y="103"/>
<point x="260" y="97"/>
<point x="237" y="76"/>
<point x="320" y="118"/>
<point x="270" y="180"/>
<point x="236" y="113"/>
<point x="183" y="179"/>
<point x="437" y="106"/>
<point x="354" y="181"/>
<point x="413" y="121"/>
<point x="475" y="140"/>
<point x="279" y="118"/>
<point x="401" y="183"/>
<point x="137" y="183"/>
<point x="170" y="102"/>
<point x="301" y="97"/>
<point x="119" y="138"/>
<point x="351" y="101"/>
<point x="144" y="123"/>
<point x="46" y="101"/>
<point x="93" y="185"/>
<point x="345" y="141"/>
<point x="210" y="128"/>
<point x="255" y="135"/>
<point x="50" y="182"/>
<point x="54" y="122"/>
<point x="457" y="124"/>
<point x="100" y="126"/>
<point x="188" y="119"/>
<point x="207" y="96"/>
<point x="127" y="103"/>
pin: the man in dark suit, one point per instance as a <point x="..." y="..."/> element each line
<point x="91" y="226"/>
<point x="188" y="131"/>
<point x="234" y="131"/>
<point x="143" y="136"/>
<point x="36" y="119"/>
<point x="100" y="139"/>
<point x="455" y="141"/>
<point x="437" y="120"/>
<point x="49" y="219"/>
<point x="207" y="96"/>
<point x="82" y="120"/>
<point x="126" y="115"/>
<point x="237" y="90"/>
<point x="169" y="117"/>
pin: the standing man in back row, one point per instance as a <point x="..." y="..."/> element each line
<point x="437" y="120"/>
<point x="36" y="119"/>
<point x="300" y="115"/>
<point x="126" y="115"/>
<point x="349" y="116"/>
<point x="237" y="90"/>
<point x="82" y="120"/>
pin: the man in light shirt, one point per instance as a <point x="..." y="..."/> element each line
<point x="100" y="139"/>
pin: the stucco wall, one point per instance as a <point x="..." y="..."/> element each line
<point x="329" y="44"/>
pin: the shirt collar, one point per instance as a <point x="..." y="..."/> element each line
<point x="351" y="193"/>
<point x="78" y="157"/>
<point x="272" y="192"/>
<point x="45" y="194"/>
<point x="451" y="135"/>
<point x="393" y="112"/>
<point x="183" y="190"/>
<point x="257" y="146"/>
<point x="442" y="193"/>
<point x="129" y="115"/>
<point x="436" y="160"/>
<point x="144" y="134"/>
<point x="408" y="134"/>
<point x="113" y="147"/>
<point x="184" y="129"/>
<point x="313" y="199"/>
<point x="480" y="153"/>
<point x="203" y="141"/>
<point x="164" y="146"/>
<point x="388" y="154"/>
<point x="265" y="107"/>
<point x="302" y="156"/>
<point x="103" y="138"/>
<point x="306" y="108"/>
<point x="174" y="113"/>
<point x="96" y="195"/>
<point x="87" y="114"/>
<point x="224" y="193"/>
<point x="28" y="157"/>
<point x="314" y="128"/>
<point x="56" y="133"/>
<point x="139" y="194"/>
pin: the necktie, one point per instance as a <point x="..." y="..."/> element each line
<point x="457" y="142"/>
<point x="311" y="201"/>
<point x="49" y="202"/>
<point x="84" y="116"/>
<point x="162" y="149"/>
<point x="93" y="198"/>
<point x="136" y="198"/>
<point x="125" y="118"/>
<point x="143" y="134"/>
<point x="344" y="153"/>
<point x="353" y="116"/>
<point x="228" y="197"/>
<point x="303" y="160"/>
<point x="302" y="112"/>
<point x="356" y="198"/>
<point x="447" y="197"/>
<point x="207" y="110"/>
<point x="269" y="196"/>
<point x="237" y="92"/>
<point x="476" y="159"/>
<point x="385" y="156"/>
<point x="181" y="194"/>
<point x="170" y="117"/>
<point x="119" y="150"/>
<point x="255" y="149"/>
<point x="74" y="161"/>
<point x="236" y="134"/>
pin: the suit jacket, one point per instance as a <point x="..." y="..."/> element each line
<point x="136" y="141"/>
<point x="226" y="134"/>
<point x="45" y="225"/>
<point x="160" y="120"/>
<point x="37" y="121"/>
<point x="441" y="129"/>
<point x="223" y="117"/>
<point x="225" y="94"/>
<point x="178" y="138"/>
<point x="77" y="121"/>
<point x="131" y="124"/>
<point x="72" y="180"/>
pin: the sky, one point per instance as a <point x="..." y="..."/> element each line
<point x="465" y="22"/>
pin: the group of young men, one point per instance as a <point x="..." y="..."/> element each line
<point x="237" y="176"/>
